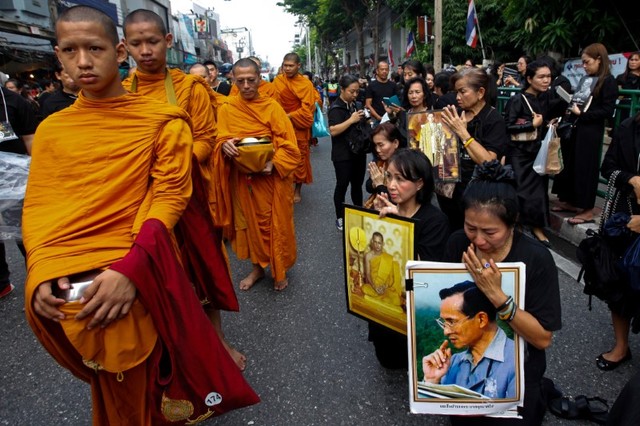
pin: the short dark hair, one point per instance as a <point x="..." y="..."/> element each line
<point x="347" y="80"/>
<point x="416" y="66"/>
<point x="414" y="165"/>
<point x="89" y="14"/>
<point x="473" y="299"/>
<point x="425" y="90"/>
<point x="292" y="57"/>
<point x="144" y="15"/>
<point x="207" y="63"/>
<point x="443" y="81"/>
<point x="532" y="69"/>
<point x="246" y="63"/>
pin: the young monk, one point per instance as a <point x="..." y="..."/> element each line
<point x="147" y="40"/>
<point x="109" y="179"/>
<point x="260" y="214"/>
<point x="297" y="96"/>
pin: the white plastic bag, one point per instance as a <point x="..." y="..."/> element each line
<point x="540" y="163"/>
<point x="14" y="171"/>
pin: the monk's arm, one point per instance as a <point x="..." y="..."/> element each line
<point x="287" y="155"/>
<point x="302" y="118"/>
<point x="171" y="173"/>
<point x="203" y="123"/>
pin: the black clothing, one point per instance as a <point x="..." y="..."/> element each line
<point x="630" y="82"/>
<point x="448" y="98"/>
<point x="542" y="300"/>
<point x="223" y="88"/>
<point x="578" y="182"/>
<point x="22" y="117"/>
<point x="430" y="236"/>
<point x="350" y="168"/>
<point x="377" y="90"/>
<point x="56" y="102"/>
<point x="533" y="198"/>
<point x="623" y="154"/>
<point x="626" y="410"/>
<point x="489" y="130"/>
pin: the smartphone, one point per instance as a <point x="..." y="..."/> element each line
<point x="392" y="101"/>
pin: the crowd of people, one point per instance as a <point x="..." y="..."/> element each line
<point x="198" y="161"/>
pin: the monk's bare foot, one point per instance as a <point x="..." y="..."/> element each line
<point x="281" y="285"/>
<point x="255" y="276"/>
<point x="237" y="356"/>
<point x="296" y="194"/>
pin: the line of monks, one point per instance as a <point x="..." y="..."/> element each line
<point x="136" y="185"/>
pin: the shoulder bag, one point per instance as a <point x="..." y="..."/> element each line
<point x="526" y="136"/>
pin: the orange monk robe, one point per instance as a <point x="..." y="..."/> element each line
<point x="266" y="88"/>
<point x="297" y="97"/>
<point x="84" y="203"/>
<point x="258" y="209"/>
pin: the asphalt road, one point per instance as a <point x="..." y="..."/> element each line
<point x="308" y="359"/>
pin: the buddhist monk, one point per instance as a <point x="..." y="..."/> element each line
<point x="107" y="173"/>
<point x="147" y="40"/>
<point x="257" y="207"/>
<point x="297" y="96"/>
<point x="266" y="88"/>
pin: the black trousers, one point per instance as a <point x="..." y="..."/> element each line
<point x="4" y="267"/>
<point x="350" y="172"/>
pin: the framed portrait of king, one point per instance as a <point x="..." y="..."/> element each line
<point x="376" y="251"/>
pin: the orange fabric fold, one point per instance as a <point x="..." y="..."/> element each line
<point x="259" y="215"/>
<point x="298" y="96"/>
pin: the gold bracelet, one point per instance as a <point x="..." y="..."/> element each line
<point x="468" y="142"/>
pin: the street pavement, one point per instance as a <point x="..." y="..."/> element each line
<point x="308" y="359"/>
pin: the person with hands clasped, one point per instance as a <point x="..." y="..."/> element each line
<point x="349" y="167"/>
<point x="386" y="140"/>
<point x="489" y="236"/>
<point x="480" y="129"/>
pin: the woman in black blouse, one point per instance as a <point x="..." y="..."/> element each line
<point x="481" y="131"/>
<point x="349" y="167"/>
<point x="577" y="184"/>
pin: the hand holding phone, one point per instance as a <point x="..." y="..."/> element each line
<point x="391" y="101"/>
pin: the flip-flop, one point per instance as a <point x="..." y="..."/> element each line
<point x="594" y="409"/>
<point x="563" y="210"/>
<point x="564" y="408"/>
<point x="579" y="221"/>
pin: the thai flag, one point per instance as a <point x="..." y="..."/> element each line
<point x="390" y="56"/>
<point x="472" y="33"/>
<point x="411" y="46"/>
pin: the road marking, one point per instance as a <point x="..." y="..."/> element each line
<point x="567" y="266"/>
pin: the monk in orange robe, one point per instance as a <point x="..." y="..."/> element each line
<point x="142" y="29"/>
<point x="93" y="165"/>
<point x="297" y="96"/>
<point x="256" y="207"/>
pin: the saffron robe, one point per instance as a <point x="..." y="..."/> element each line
<point x="195" y="96"/>
<point x="298" y="96"/>
<point x="257" y="209"/>
<point x="83" y="205"/>
<point x="384" y="274"/>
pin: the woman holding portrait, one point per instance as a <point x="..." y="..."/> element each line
<point x="481" y="130"/>
<point x="490" y="236"/>
<point x="415" y="98"/>
<point x="410" y="185"/>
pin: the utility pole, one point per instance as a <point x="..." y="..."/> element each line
<point x="437" y="45"/>
<point x="308" y="48"/>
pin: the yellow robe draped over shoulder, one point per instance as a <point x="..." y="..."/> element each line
<point x="298" y="96"/>
<point x="84" y="203"/>
<point x="258" y="209"/>
<point x="385" y="275"/>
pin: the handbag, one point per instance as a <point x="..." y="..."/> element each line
<point x="600" y="259"/>
<point x="631" y="265"/>
<point x="526" y="136"/>
<point x="548" y="161"/>
<point x="359" y="138"/>
<point x="319" y="128"/>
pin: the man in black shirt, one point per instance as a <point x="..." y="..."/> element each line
<point x="23" y="121"/>
<point x="380" y="87"/>
<point x="221" y="87"/>
<point x="62" y="98"/>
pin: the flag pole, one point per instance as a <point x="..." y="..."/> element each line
<point x="475" y="12"/>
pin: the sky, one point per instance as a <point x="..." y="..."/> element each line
<point x="272" y="29"/>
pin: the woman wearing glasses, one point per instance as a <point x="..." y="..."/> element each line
<point x="489" y="236"/>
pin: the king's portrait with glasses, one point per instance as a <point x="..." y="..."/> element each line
<point x="486" y="363"/>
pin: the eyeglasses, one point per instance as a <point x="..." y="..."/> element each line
<point x="443" y="323"/>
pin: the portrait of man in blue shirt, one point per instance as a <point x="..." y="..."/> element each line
<point x="487" y="365"/>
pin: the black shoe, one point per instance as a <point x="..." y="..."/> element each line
<point x="606" y="365"/>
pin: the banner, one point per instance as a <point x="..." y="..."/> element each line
<point x="574" y="70"/>
<point x="411" y="47"/>
<point x="392" y="63"/>
<point x="471" y="34"/>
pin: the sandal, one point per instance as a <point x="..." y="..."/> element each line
<point x="594" y="409"/>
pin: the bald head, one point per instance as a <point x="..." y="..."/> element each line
<point x="256" y="60"/>
<point x="89" y="14"/>
<point x="200" y="70"/>
<point x="292" y="57"/>
<point x="143" y="15"/>
<point x="246" y="63"/>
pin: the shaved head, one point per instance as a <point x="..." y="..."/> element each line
<point x="292" y="57"/>
<point x="256" y="60"/>
<point x="199" y="69"/>
<point x="89" y="14"/>
<point x="143" y="15"/>
<point x="247" y="63"/>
